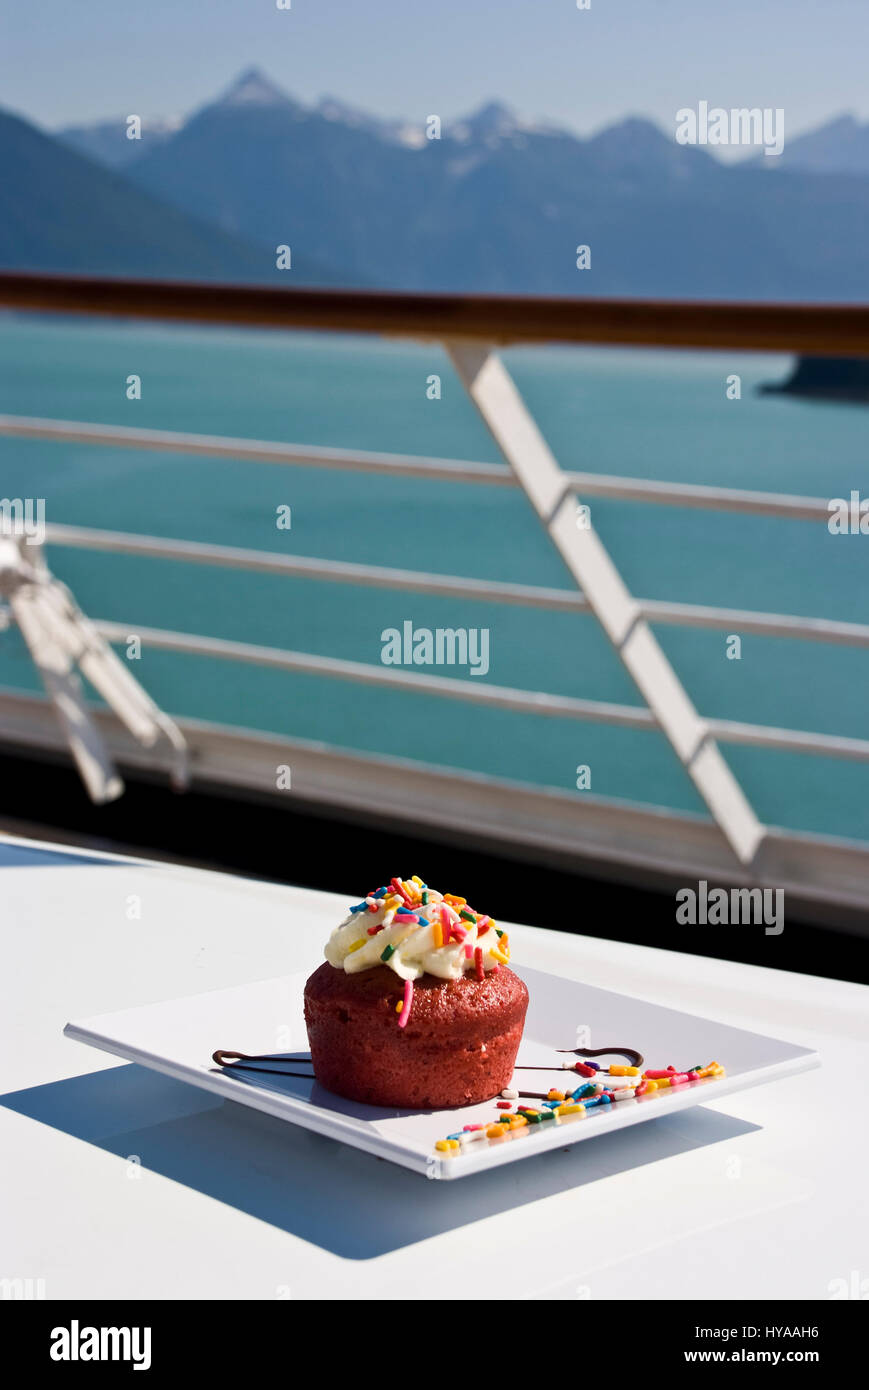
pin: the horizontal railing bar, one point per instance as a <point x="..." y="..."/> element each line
<point x="696" y="495"/>
<point x="841" y="329"/>
<point x="451" y="470"/>
<point x="790" y="740"/>
<point x="304" y="567"/>
<point x="255" y="450"/>
<point x="501" y="697"/>
<point x="738" y="620"/>
<point x="451" y="586"/>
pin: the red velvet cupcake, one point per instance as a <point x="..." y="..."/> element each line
<point x="415" y="1007"/>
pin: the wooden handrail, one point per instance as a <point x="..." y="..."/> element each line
<point x="834" y="329"/>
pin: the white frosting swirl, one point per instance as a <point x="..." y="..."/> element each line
<point x="415" y="940"/>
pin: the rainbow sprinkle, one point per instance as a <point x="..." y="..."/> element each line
<point x="560" y="1106"/>
<point x="406" y="1006"/>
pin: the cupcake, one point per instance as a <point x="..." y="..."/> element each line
<point x="415" y="1007"/>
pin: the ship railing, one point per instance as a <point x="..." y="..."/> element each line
<point x="472" y="329"/>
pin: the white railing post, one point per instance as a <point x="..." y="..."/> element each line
<point x="551" y="493"/>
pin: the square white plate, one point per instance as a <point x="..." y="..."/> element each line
<point x="178" y="1037"/>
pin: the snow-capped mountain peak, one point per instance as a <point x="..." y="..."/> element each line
<point x="253" y="88"/>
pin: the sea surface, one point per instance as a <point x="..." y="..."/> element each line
<point x="660" y="415"/>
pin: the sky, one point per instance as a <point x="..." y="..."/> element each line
<point x="66" y="63"/>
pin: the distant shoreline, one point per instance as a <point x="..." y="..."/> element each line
<point x="825" y="378"/>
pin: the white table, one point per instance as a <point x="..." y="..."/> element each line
<point x="118" y="1182"/>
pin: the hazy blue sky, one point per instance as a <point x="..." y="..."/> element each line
<point x="64" y="62"/>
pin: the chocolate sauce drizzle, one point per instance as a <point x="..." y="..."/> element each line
<point x="240" y="1061"/>
<point x="635" y="1058"/>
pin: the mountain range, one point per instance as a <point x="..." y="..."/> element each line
<point x="840" y="146"/>
<point x="496" y="204"/>
<point x="64" y="212"/>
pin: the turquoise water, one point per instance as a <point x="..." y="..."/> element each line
<point x="657" y="415"/>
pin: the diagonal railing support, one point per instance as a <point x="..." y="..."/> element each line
<point x="551" y="493"/>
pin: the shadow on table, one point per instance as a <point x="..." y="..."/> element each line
<point x="318" y="1189"/>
